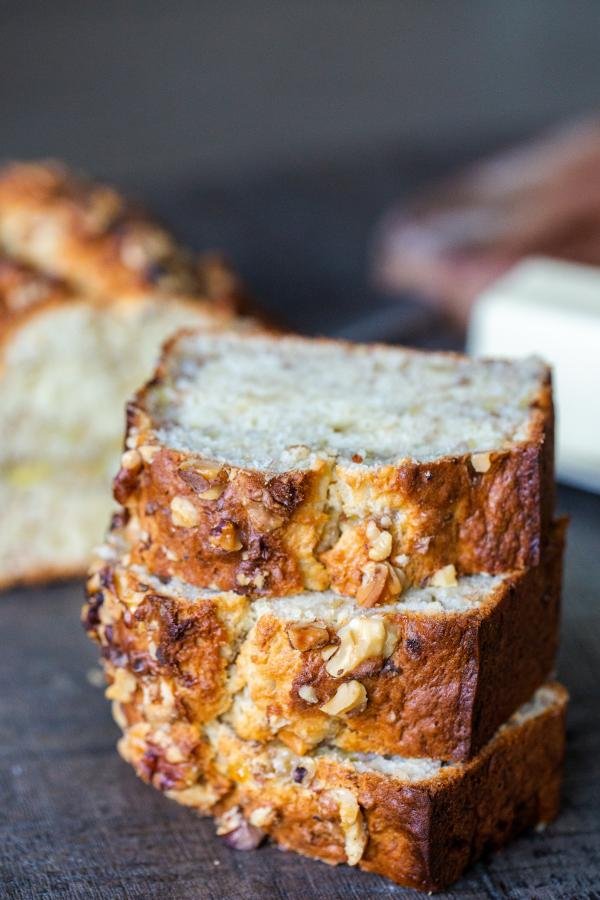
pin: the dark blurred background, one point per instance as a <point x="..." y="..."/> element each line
<point x="280" y="130"/>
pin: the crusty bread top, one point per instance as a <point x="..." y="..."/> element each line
<point x="272" y="403"/>
<point x="88" y="234"/>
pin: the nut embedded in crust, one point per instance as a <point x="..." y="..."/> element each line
<point x="307" y="693"/>
<point x="131" y="460"/>
<point x="375" y="576"/>
<point x="444" y="577"/>
<point x="148" y="452"/>
<point x="362" y="638"/>
<point x="481" y="462"/>
<point x="309" y="636"/>
<point x="380" y="542"/>
<point x="350" y="696"/>
<point x="225" y="537"/>
<point x="183" y="512"/>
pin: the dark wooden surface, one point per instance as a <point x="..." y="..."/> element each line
<point x="74" y="820"/>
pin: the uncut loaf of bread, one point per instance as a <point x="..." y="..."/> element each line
<point x="77" y="335"/>
<point x="434" y="674"/>
<point x="281" y="464"/>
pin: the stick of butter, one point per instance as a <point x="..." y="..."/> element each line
<point x="552" y="309"/>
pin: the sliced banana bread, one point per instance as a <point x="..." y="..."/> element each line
<point x="420" y="822"/>
<point x="433" y="674"/>
<point x="281" y="464"/>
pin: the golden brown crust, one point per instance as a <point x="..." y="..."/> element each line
<point x="422" y="834"/>
<point x="450" y="682"/>
<point x="87" y="234"/>
<point x="183" y="647"/>
<point x="442" y="513"/>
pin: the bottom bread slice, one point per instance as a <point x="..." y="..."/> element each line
<point x="420" y="822"/>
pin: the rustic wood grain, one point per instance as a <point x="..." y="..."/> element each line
<point x="76" y="823"/>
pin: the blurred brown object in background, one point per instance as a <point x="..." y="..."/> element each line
<point x="542" y="198"/>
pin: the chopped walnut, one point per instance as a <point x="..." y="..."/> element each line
<point x="123" y="686"/>
<point x="350" y="696"/>
<point x="307" y="693"/>
<point x="353" y="825"/>
<point x="148" y="452"/>
<point x="481" y="462"/>
<point x="237" y="832"/>
<point x="132" y="460"/>
<point x="374" y="580"/>
<point x="361" y="638"/>
<point x="307" y="636"/>
<point x="183" y="512"/>
<point x="444" y="577"/>
<point x="380" y="542"/>
<point x="225" y="537"/>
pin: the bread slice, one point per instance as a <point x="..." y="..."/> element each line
<point x="68" y="363"/>
<point x="433" y="674"/>
<point x="420" y="822"/>
<point x="281" y="464"/>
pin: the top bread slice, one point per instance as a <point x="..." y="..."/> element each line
<point x="277" y="464"/>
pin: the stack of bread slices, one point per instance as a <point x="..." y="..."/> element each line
<point x="90" y="287"/>
<point x="328" y="607"/>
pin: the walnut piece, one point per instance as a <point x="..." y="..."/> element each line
<point x="350" y="695"/>
<point x="238" y="833"/>
<point x="363" y="637"/>
<point x="183" y="512"/>
<point x="123" y="686"/>
<point x="225" y="537"/>
<point x="262" y="816"/>
<point x="380" y="542"/>
<point x="307" y="636"/>
<point x="375" y="576"/>
<point x="148" y="452"/>
<point x="307" y="693"/>
<point x="444" y="577"/>
<point x="481" y="462"/>
<point x="131" y="460"/>
<point x="352" y="822"/>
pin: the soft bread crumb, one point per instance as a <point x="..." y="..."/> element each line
<point x="348" y="402"/>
